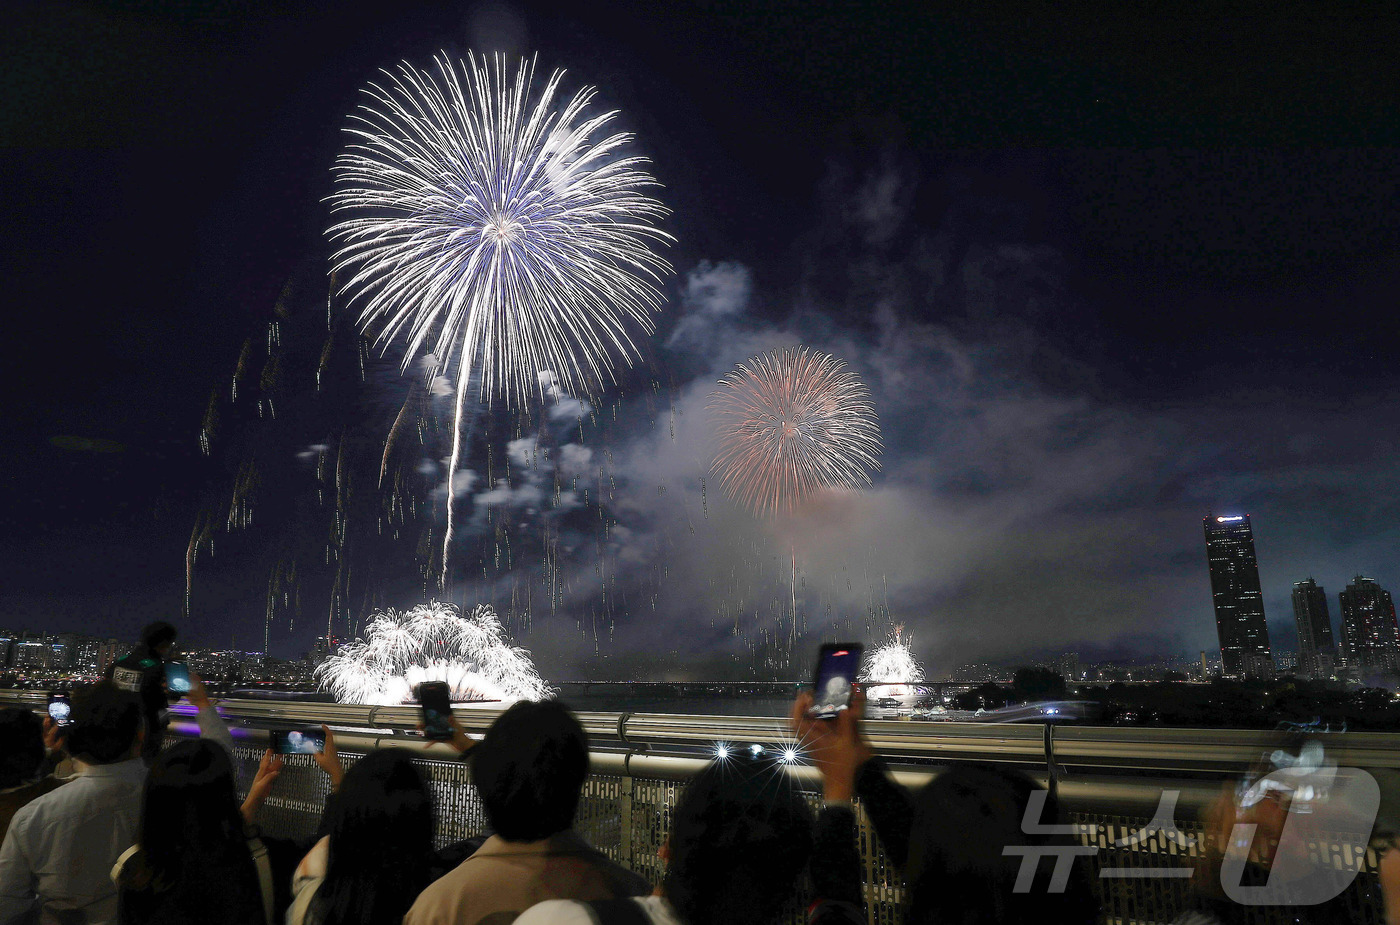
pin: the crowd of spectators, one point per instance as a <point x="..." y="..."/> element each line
<point x="110" y="839"/>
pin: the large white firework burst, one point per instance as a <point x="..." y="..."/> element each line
<point x="789" y="423"/>
<point x="503" y="235"/>
<point x="889" y="667"/>
<point x="431" y="642"/>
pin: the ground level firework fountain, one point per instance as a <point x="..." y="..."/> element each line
<point x="432" y="642"/>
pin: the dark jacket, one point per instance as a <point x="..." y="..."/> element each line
<point x="143" y="673"/>
<point x="144" y="900"/>
<point x="835" y="870"/>
<point x="838" y="898"/>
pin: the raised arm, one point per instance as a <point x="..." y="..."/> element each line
<point x="837" y="749"/>
<point x="211" y="724"/>
<point x="835" y="869"/>
<point x="268" y="769"/>
<point x="849" y="767"/>
<point x="889" y="806"/>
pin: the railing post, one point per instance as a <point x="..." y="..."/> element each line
<point x="624" y="799"/>
<point x="624" y="812"/>
<point x="1052" y="772"/>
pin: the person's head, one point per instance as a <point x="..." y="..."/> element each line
<point x="529" y="769"/>
<point x="159" y="637"/>
<point x="192" y="830"/>
<point x="106" y="724"/>
<point x="21" y="746"/>
<point x="957" y="871"/>
<point x="381" y="842"/>
<point x="740" y="836"/>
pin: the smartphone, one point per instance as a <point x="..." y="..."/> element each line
<point x="436" y="700"/>
<point x="60" y="708"/>
<point x="177" y="677"/>
<point x="309" y="741"/>
<point x="837" y="665"/>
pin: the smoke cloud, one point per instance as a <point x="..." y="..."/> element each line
<point x="1020" y="509"/>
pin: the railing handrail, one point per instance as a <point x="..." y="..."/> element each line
<point x="1164" y="749"/>
<point x="1087" y="762"/>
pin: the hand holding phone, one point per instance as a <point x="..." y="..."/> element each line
<point x="60" y="708"/>
<point x="834" y="745"/>
<point x="308" y="741"/>
<point x="329" y="758"/>
<point x="435" y="697"/>
<point x="177" y="677"/>
<point x="837" y="666"/>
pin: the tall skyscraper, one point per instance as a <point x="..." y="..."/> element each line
<point x="1370" y="637"/>
<point x="1239" y="604"/>
<point x="1317" y="651"/>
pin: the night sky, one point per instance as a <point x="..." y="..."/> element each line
<point x="1103" y="274"/>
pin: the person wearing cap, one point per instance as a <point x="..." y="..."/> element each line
<point x="142" y="672"/>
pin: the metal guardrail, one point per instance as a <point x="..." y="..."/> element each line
<point x="1096" y="767"/>
<point x="1110" y="779"/>
<point x="1132" y="748"/>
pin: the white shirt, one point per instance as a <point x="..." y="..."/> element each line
<point x="310" y="873"/>
<point x="61" y="847"/>
<point x="569" y="912"/>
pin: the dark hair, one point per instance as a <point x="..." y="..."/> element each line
<point x="381" y="843"/>
<point x="957" y="872"/>
<point x="740" y="836"/>
<point x="529" y="769"/>
<point x="157" y="634"/>
<point x="106" y="722"/>
<point x="193" y="840"/>
<point x="21" y="746"/>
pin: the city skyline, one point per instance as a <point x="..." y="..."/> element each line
<point x="1309" y="608"/>
<point x="1092" y="297"/>
<point x="1316" y="636"/>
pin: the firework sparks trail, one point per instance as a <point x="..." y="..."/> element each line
<point x="482" y="223"/>
<point x="432" y="642"/>
<point x="413" y="397"/>
<point x="790" y="423"/>
<point x="198" y="536"/>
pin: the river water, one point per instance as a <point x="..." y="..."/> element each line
<point x="603" y="701"/>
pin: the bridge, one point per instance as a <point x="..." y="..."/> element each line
<point x="1135" y="795"/>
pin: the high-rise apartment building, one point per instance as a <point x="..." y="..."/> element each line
<point x="1317" y="649"/>
<point x="1370" y="637"/>
<point x="32" y="653"/>
<point x="1239" y="603"/>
